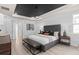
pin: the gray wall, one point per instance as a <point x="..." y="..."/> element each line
<point x="64" y="18"/>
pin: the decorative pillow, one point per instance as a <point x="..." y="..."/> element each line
<point x="46" y="33"/>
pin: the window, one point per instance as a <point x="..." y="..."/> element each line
<point x="1" y="19"/>
<point x="76" y="23"/>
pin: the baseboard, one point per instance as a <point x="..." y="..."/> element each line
<point x="75" y="45"/>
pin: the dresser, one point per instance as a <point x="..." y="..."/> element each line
<point x="5" y="44"/>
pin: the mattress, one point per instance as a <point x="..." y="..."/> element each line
<point x="42" y="39"/>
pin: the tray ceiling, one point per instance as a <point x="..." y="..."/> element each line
<point x="33" y="10"/>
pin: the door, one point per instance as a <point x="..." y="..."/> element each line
<point x="17" y="32"/>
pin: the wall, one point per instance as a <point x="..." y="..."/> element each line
<point x="10" y="23"/>
<point x="66" y="20"/>
<point x="2" y="23"/>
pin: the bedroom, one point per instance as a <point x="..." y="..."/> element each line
<point x="20" y="27"/>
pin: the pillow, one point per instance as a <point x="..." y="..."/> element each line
<point x="46" y="33"/>
<point x="56" y="34"/>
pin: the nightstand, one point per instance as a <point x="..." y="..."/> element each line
<point x="65" y="40"/>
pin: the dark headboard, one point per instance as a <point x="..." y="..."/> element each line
<point x="53" y="28"/>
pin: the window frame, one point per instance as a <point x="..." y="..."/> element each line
<point x="75" y="23"/>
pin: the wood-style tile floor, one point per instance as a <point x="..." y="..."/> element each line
<point x="19" y="49"/>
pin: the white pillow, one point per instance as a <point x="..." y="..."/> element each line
<point x="56" y="34"/>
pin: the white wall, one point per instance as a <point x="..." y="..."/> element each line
<point x="7" y="24"/>
<point x="65" y="21"/>
<point x="64" y="18"/>
<point x="29" y="32"/>
<point x="2" y="23"/>
<point x="10" y="26"/>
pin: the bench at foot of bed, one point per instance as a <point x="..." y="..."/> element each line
<point x="32" y="46"/>
<point x="35" y="47"/>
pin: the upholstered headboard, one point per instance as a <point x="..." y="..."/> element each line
<point x="53" y="28"/>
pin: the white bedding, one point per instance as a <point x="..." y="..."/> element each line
<point x="42" y="39"/>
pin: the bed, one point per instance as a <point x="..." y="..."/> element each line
<point x="46" y="41"/>
<point x="49" y="39"/>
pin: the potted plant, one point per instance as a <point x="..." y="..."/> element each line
<point x="64" y="33"/>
